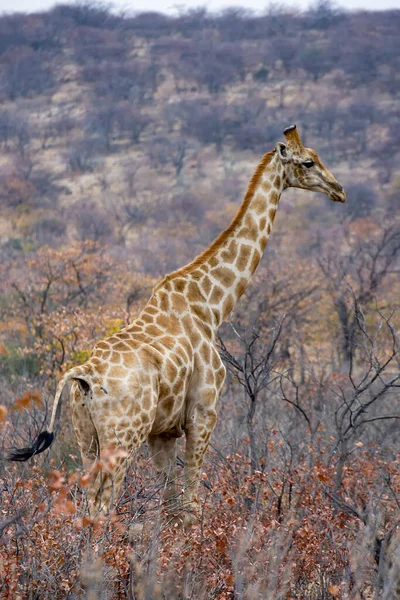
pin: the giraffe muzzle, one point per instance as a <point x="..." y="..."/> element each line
<point x="337" y="194"/>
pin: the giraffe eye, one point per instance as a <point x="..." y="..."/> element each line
<point x="308" y="163"/>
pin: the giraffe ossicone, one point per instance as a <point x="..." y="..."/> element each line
<point x="161" y="376"/>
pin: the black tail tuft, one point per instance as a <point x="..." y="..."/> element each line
<point x="41" y="443"/>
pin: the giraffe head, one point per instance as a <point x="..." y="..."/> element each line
<point x="304" y="169"/>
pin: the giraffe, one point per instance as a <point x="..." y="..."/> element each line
<point x="161" y="376"/>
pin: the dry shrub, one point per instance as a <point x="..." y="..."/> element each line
<point x="265" y="535"/>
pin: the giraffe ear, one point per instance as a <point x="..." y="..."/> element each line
<point x="282" y="150"/>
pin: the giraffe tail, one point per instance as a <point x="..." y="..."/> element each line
<point x="45" y="438"/>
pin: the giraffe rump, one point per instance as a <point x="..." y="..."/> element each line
<point x="42" y="442"/>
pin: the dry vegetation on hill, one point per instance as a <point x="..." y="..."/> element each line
<point x="126" y="146"/>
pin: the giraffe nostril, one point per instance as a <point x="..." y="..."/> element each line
<point x="337" y="187"/>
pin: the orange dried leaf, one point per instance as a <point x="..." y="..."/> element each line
<point x="334" y="590"/>
<point x="84" y="480"/>
<point x="70" y="507"/>
<point x="3" y="413"/>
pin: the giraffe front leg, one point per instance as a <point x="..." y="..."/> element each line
<point x="163" y="451"/>
<point x="198" y="433"/>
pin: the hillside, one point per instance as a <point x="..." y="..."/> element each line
<point x="110" y="127"/>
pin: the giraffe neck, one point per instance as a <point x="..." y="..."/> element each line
<point x="222" y="272"/>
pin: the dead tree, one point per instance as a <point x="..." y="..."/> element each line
<point x="254" y="367"/>
<point x="359" y="274"/>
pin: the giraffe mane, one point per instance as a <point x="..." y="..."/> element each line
<point x="219" y="241"/>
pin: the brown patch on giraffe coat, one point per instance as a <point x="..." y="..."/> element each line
<point x="179" y="285"/>
<point x="217" y="315"/>
<point x="129" y="360"/>
<point x="164" y="301"/>
<point x="147" y="318"/>
<point x="187" y="324"/>
<point x="255" y="260"/>
<point x="177" y="358"/>
<point x="241" y="286"/>
<point x="229" y="254"/>
<point x="271" y="214"/>
<point x="146" y="400"/>
<point x="277" y="181"/>
<point x="123" y="423"/>
<point x="178" y="302"/>
<point x="205" y="352"/>
<point x="213" y="261"/>
<point x="248" y="234"/>
<point x="121" y="347"/>
<point x="175" y="327"/>
<point x="264" y="239"/>
<point x="151" y="357"/>
<point x="167" y="404"/>
<point x="210" y="378"/>
<point x="225" y="275"/>
<point x="193" y="293"/>
<point x="206" y="284"/>
<point x="268" y="228"/>
<point x="151" y="310"/>
<point x="171" y="371"/>
<point x="112" y="423"/>
<point x="177" y="387"/>
<point x="263" y="223"/>
<point x="250" y="221"/>
<point x="229" y="303"/>
<point x="153" y="330"/>
<point x="243" y="258"/>
<point x="102" y="368"/>
<point x="206" y="329"/>
<point x="217" y="295"/>
<point x="185" y="343"/>
<point x="194" y="337"/>
<point x="167" y="341"/>
<point x="220" y="377"/>
<point x="273" y="200"/>
<point x="203" y="312"/>
<point x="134" y="329"/>
<point x="140" y="337"/>
<point x="259" y="204"/>
<point x="125" y="403"/>
<point x="115" y="358"/>
<point x="163" y="321"/>
<point x="266" y="186"/>
<point x="102" y="346"/>
<point x="182" y="354"/>
<point x="216" y="359"/>
<point x="208" y="397"/>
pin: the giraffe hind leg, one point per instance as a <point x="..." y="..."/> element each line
<point x="115" y="458"/>
<point x="85" y="430"/>
<point x="119" y="443"/>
